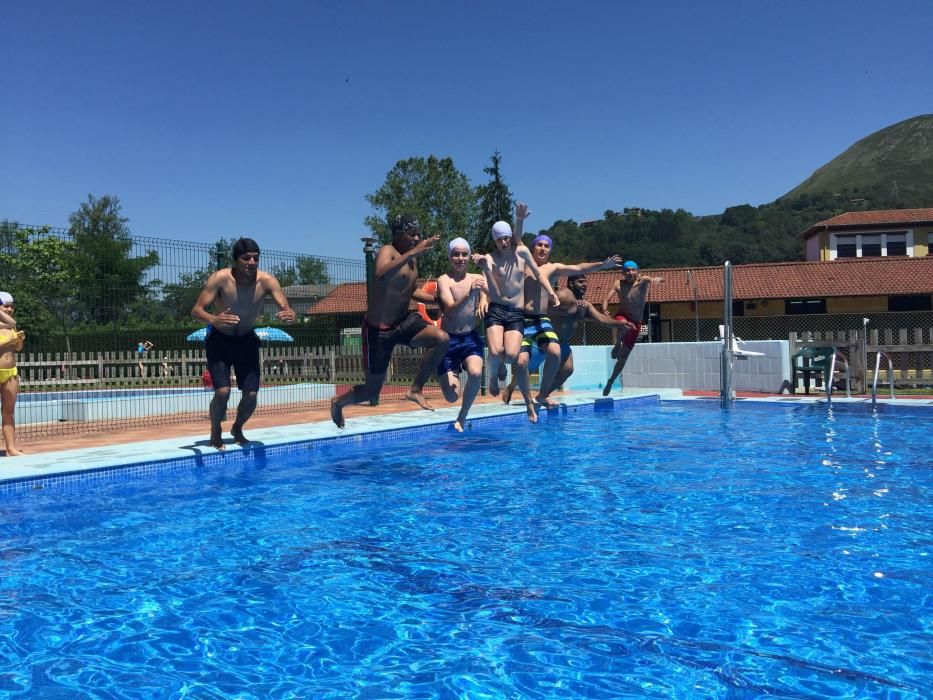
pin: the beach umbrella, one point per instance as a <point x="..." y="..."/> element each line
<point x="267" y="333"/>
<point x="273" y="335"/>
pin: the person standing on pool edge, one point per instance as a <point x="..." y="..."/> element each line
<point x="11" y="342"/>
<point x="389" y="322"/>
<point x="632" y="291"/>
<point x="240" y="290"/>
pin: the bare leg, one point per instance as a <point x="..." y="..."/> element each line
<point x="495" y="343"/>
<point x="450" y="386"/>
<point x="8" y="394"/>
<point x="474" y="367"/>
<point x="548" y="372"/>
<point x="244" y="411"/>
<point x="507" y="394"/>
<point x="361" y="393"/>
<point x="617" y="370"/>
<point x="435" y="342"/>
<point x="218" y="412"/>
<point x="524" y="385"/>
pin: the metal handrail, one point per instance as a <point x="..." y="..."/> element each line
<point x="832" y="373"/>
<point x="874" y="383"/>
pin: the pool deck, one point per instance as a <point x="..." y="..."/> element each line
<point x="101" y="450"/>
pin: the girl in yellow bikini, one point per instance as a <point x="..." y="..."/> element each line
<point x="11" y="341"/>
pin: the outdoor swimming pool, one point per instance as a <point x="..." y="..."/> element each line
<point x="670" y="550"/>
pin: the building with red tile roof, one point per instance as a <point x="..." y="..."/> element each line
<point x="881" y="233"/>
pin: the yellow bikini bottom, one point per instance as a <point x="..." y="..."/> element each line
<point x="7" y="374"/>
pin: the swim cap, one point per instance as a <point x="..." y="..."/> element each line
<point x="501" y="229"/>
<point x="546" y="239"/>
<point x="403" y="223"/>
<point x="244" y="245"/>
<point x="457" y="243"/>
<point x="630" y="265"/>
<point x="6" y="298"/>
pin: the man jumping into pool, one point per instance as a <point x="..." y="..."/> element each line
<point x="389" y="322"/>
<point x="240" y="290"/>
<point x="632" y="291"/>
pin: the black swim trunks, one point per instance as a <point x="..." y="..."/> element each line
<point x="238" y="351"/>
<point x="380" y="341"/>
<point x="509" y="318"/>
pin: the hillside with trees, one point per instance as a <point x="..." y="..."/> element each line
<point x="890" y="169"/>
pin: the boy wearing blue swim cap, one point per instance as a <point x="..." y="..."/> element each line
<point x="632" y="293"/>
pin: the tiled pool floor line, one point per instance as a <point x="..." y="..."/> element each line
<point x="187" y="443"/>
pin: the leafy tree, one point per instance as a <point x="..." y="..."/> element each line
<point x="178" y="297"/>
<point x="439" y="195"/>
<point x="305" y="270"/>
<point x="495" y="203"/>
<point x="39" y="270"/>
<point x="111" y="281"/>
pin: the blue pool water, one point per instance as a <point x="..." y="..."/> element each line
<point x="669" y="551"/>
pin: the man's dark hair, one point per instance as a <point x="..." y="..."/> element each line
<point x="574" y="278"/>
<point x="245" y="245"/>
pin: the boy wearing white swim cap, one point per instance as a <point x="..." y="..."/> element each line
<point x="505" y="269"/>
<point x="462" y="296"/>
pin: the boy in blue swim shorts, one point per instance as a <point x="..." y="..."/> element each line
<point x="463" y="299"/>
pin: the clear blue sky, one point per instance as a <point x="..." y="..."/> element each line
<point x="216" y="119"/>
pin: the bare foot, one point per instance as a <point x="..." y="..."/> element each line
<point x="217" y="440"/>
<point x="238" y="437"/>
<point x="607" y="389"/>
<point x="458" y="426"/>
<point x="336" y="413"/>
<point x="494" y="386"/>
<point x="532" y="415"/>
<point x="418" y="398"/>
<point x="14" y="453"/>
<point x="547" y="401"/>
<point x="507" y="394"/>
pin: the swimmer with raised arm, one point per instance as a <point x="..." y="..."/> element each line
<point x="389" y="322"/>
<point x="505" y="269"/>
<point x="539" y="330"/>
<point x="632" y="291"/>
<point x="462" y="296"/>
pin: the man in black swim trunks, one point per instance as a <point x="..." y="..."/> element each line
<point x="390" y="322"/>
<point x="240" y="290"/>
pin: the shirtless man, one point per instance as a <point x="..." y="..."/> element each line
<point x="538" y="327"/>
<point x="240" y="290"/>
<point x="389" y="322"/>
<point x="462" y="296"/>
<point x="573" y="309"/>
<point x="11" y="342"/>
<point x="505" y="269"/>
<point x="632" y="291"/>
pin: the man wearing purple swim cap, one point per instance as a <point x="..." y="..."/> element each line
<point x="538" y="329"/>
<point x="632" y="292"/>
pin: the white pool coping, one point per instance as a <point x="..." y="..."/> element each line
<point x="64" y="462"/>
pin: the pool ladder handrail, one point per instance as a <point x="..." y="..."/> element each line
<point x="832" y="373"/>
<point x="874" y="382"/>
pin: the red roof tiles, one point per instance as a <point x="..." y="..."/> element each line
<point x="868" y="219"/>
<point x="788" y="280"/>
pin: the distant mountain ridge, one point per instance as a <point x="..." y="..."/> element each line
<point x="896" y="162"/>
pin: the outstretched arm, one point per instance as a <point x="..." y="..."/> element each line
<point x="562" y="270"/>
<point x="388" y="259"/>
<point x="597" y="315"/>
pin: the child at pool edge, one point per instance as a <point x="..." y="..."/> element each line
<point x="11" y="341"/>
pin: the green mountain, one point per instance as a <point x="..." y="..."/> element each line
<point x="895" y="162"/>
<point x="890" y="169"/>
